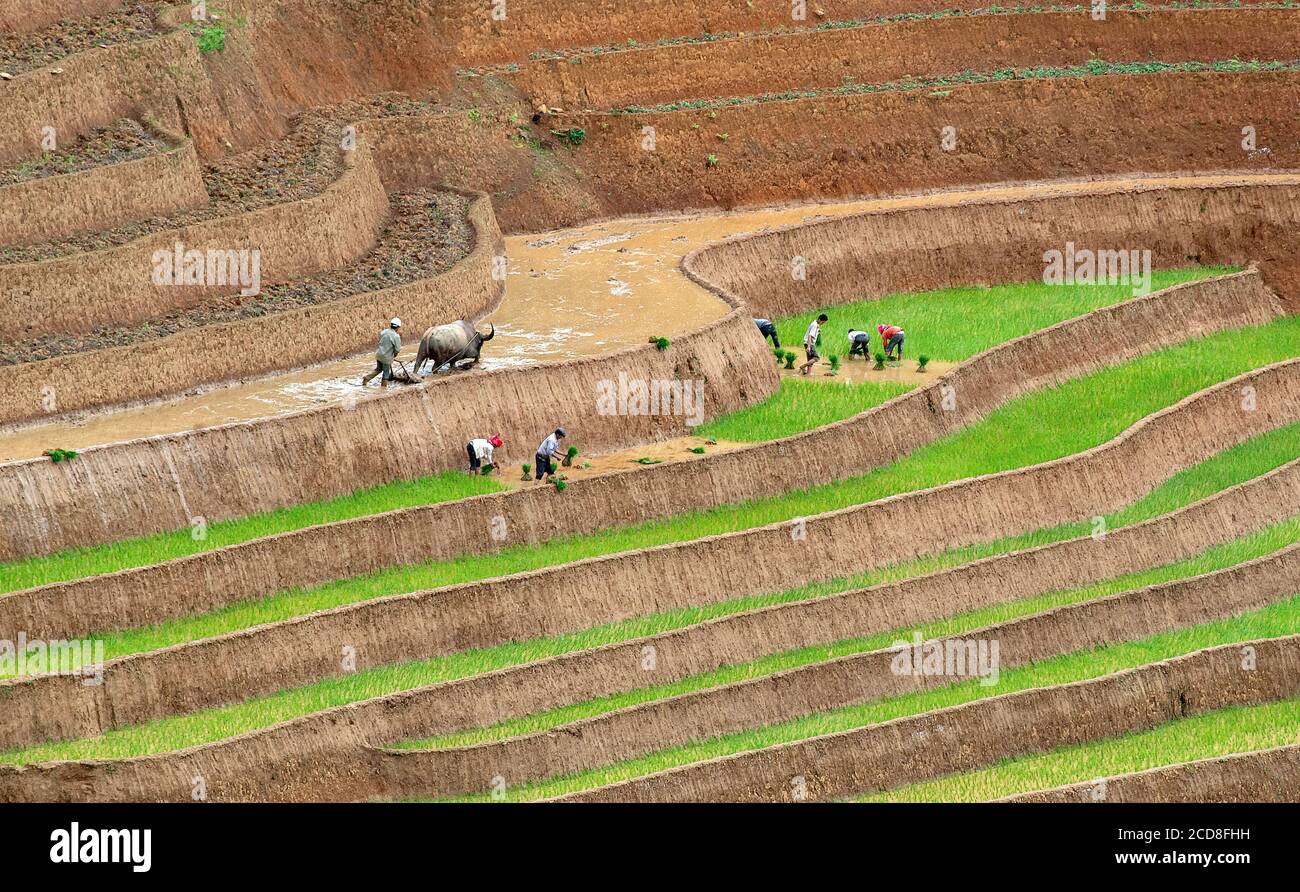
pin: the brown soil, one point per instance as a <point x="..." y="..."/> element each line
<point x="588" y="466"/>
<point x="299" y="166"/>
<point x="126" y="140"/>
<point x="21" y="52"/>
<point x="857" y="370"/>
<point x="428" y="234"/>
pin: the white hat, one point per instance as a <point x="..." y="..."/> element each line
<point x="396" y="323"/>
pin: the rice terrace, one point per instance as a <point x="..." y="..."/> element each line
<point x="751" y="401"/>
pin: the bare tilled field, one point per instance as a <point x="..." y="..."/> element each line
<point x="740" y="402"/>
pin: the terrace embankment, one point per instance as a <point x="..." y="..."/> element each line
<point x="322" y="756"/>
<point x="26" y="16"/>
<point x="349" y="548"/>
<point x="590" y="592"/>
<point x="56" y="207"/>
<point x="121" y="284"/>
<point x="977" y="734"/>
<point x="1271" y="775"/>
<point x="891" y="142"/>
<point x="333" y="321"/>
<point x="821" y="686"/>
<point x="145" y="486"/>
<point x="807" y="60"/>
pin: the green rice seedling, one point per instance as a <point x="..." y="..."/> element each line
<point x="570" y="456"/>
<point x="698" y="450"/>
<point x="1271" y="621"/>
<point x="921" y="362"/>
<point x="59" y="455"/>
<point x="645" y="460"/>
<point x="487" y="469"/>
<point x="880" y="362"/>
<point x="1226" y="469"/>
<point x="528" y="471"/>
<point x="560" y="485"/>
<point x="789" y="359"/>
<point x="711" y="441"/>
<point x="835" y="363"/>
<point x="586" y="466"/>
<point x="965" y="320"/>
<point x="1037" y="427"/>
<point x="1238" y="729"/>
<point x="711" y="161"/>
<point x="1216" y="558"/>
<point x="660" y="343"/>
<point x="780" y="356"/>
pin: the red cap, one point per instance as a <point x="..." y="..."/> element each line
<point x="496" y="441"/>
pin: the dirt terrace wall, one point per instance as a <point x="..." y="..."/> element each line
<point x="24" y="16"/>
<point x="265" y="344"/>
<point x="349" y="548"/>
<point x="132" y="80"/>
<point x="768" y="63"/>
<point x="325" y="755"/>
<point x="610" y="588"/>
<point x="533" y="25"/>
<point x="849" y="258"/>
<point x="239" y="469"/>
<point x="136" y="490"/>
<point x="1271" y="775"/>
<point x="831" y="684"/>
<point x="115" y="285"/>
<point x="57" y="207"/>
<point x="978" y="734"/>
<point x="887" y="143"/>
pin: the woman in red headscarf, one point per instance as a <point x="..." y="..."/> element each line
<point x="891" y="338"/>
<point x="481" y="451"/>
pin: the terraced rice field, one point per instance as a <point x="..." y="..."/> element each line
<point x="748" y="585"/>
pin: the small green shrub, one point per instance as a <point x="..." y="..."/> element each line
<point x="711" y="161"/>
<point x="574" y="136"/>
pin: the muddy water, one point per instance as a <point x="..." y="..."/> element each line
<point x="571" y="293"/>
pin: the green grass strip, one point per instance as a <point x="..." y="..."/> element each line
<point x="975" y="319"/>
<point x="94" y="560"/>
<point x="1226" y="469"/>
<point x="1273" y="621"/>
<point x="1239" y="729"/>
<point x="798" y="406"/>
<point x="1218" y="558"/>
<point x="1047" y="424"/>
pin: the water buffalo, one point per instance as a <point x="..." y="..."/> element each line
<point x="452" y="343"/>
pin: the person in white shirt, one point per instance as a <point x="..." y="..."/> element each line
<point x="546" y="452"/>
<point x="810" y="343"/>
<point x="481" y="452"/>
<point x="859" y="342"/>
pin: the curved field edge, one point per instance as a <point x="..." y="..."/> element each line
<point x="1044" y="356"/>
<point x="1226" y="556"/>
<point x="1098" y="407"/>
<point x="951" y="324"/>
<point x="1074" y="697"/>
<point x="1270" y="775"/>
<point x="1146" y="543"/>
<point x="1226" y="732"/>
